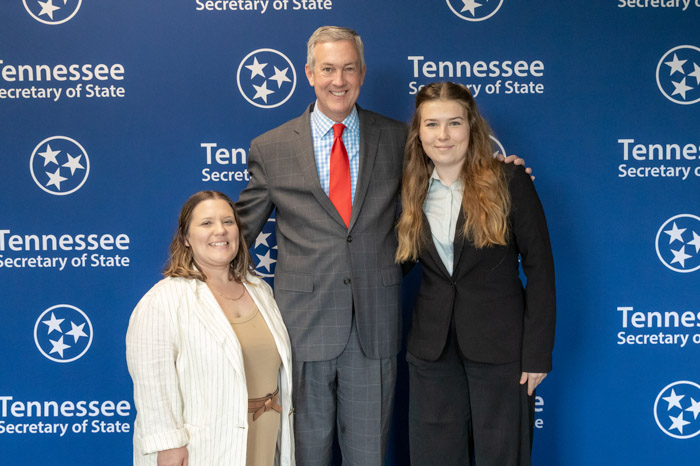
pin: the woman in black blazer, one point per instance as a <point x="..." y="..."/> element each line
<point x="480" y="343"/>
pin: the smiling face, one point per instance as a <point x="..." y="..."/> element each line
<point x="213" y="235"/>
<point x="444" y="134"/>
<point x="336" y="77"/>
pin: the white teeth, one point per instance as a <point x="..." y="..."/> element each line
<point x="222" y="243"/>
<point x="338" y="94"/>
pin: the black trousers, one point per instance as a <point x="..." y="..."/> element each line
<point x="463" y="412"/>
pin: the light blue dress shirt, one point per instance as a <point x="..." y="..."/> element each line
<point x="322" y="134"/>
<point x="442" y="206"/>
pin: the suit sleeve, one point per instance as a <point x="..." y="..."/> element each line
<point x="254" y="205"/>
<point x="533" y="244"/>
<point x="151" y="352"/>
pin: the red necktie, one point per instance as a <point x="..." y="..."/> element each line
<point x="340" y="191"/>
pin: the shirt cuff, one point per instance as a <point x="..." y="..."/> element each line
<point x="163" y="441"/>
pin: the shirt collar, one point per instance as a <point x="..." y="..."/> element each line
<point x="323" y="124"/>
<point x="435" y="179"/>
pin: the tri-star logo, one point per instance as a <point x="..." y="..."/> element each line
<point x="678" y="75"/>
<point x="266" y="78"/>
<point x="63" y="333"/>
<point x="59" y="165"/>
<point x="52" y="12"/>
<point x="474" y="10"/>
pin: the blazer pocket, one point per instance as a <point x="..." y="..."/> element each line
<point x="299" y="282"/>
<point x="392" y="275"/>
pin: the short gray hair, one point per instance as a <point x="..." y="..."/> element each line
<point x="334" y="34"/>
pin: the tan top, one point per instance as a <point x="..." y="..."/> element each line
<point x="261" y="361"/>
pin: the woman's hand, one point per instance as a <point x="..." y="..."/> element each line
<point x="515" y="160"/>
<point x="173" y="457"/>
<point x="533" y="379"/>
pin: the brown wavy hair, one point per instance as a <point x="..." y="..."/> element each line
<point x="181" y="262"/>
<point x="485" y="196"/>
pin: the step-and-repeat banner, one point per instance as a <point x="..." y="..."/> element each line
<point x="113" y="112"/>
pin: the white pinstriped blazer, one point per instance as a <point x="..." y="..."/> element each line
<point x="189" y="379"/>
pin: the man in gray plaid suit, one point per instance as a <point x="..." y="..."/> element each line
<point x="337" y="286"/>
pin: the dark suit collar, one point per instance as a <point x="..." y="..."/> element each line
<point x="458" y="241"/>
<point x="304" y="151"/>
<point x="369" y="145"/>
<point x="458" y="245"/>
<point x="430" y="249"/>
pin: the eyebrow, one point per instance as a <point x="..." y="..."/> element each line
<point x="450" y="118"/>
<point x="211" y="217"/>
<point x="352" y="63"/>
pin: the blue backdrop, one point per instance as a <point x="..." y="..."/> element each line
<point x="113" y="112"/>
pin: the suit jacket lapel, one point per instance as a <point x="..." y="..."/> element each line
<point x="213" y="319"/>
<point x="431" y="250"/>
<point x="458" y="241"/>
<point x="369" y="145"/>
<point x="264" y="304"/>
<point x="304" y="152"/>
<point x="458" y="245"/>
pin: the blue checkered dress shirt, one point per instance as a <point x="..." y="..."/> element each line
<point x="322" y="134"/>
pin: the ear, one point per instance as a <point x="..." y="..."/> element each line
<point x="309" y="74"/>
<point x="187" y="243"/>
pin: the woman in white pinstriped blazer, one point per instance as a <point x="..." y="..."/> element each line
<point x="188" y="364"/>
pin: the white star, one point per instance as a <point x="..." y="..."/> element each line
<point x="262" y="92"/>
<point x="680" y="256"/>
<point x="280" y="76"/>
<point x="73" y="163"/>
<point x="55" y="179"/>
<point x="675" y="233"/>
<point x="470" y="5"/>
<point x="680" y="88"/>
<point x="695" y="73"/>
<point x="53" y="323"/>
<point x="256" y="68"/>
<point x="76" y="331"/>
<point x="47" y="8"/>
<point x="695" y="242"/>
<point x="262" y="239"/>
<point x="673" y="400"/>
<point x="676" y="64"/>
<point x="678" y="423"/>
<point x="694" y="408"/>
<point x="49" y="155"/>
<point x="59" y="346"/>
<point x="266" y="261"/>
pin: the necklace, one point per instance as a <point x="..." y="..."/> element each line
<point x="228" y="297"/>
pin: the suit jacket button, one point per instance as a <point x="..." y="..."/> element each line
<point x="349" y="239"/>
<point x="346" y="280"/>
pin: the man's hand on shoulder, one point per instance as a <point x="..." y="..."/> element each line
<point x="517" y="161"/>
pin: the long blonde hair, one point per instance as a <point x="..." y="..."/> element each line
<point x="485" y="199"/>
<point x="182" y="263"/>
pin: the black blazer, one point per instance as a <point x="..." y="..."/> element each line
<point x="496" y="319"/>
